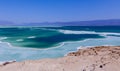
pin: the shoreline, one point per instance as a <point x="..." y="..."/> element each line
<point x="97" y="58"/>
<point x="68" y="47"/>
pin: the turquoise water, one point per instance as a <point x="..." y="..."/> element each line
<point x="26" y="43"/>
<point x="39" y="37"/>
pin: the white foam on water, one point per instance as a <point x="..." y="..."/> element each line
<point x="31" y="37"/>
<point x="3" y="38"/>
<point x="76" y="32"/>
<point x="87" y="32"/>
<point x="105" y="34"/>
<point x="19" y="40"/>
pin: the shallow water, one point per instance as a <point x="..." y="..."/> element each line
<point x="37" y="43"/>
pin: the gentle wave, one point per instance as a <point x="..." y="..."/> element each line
<point x="87" y="32"/>
<point x="19" y="40"/>
<point x="31" y="37"/>
<point x="3" y="38"/>
<point x="76" y="32"/>
<point x="82" y="32"/>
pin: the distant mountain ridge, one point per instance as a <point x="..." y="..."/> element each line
<point x="6" y="23"/>
<point x="110" y="22"/>
<point x="114" y="22"/>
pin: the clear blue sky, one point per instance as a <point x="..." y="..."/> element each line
<point x="25" y="11"/>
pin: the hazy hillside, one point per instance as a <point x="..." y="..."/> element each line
<point x="92" y="23"/>
<point x="6" y="23"/>
<point x="112" y="22"/>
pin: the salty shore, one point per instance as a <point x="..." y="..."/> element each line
<point x="99" y="58"/>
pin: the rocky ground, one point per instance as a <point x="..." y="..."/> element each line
<point x="100" y="58"/>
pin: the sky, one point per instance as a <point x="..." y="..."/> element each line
<point x="27" y="11"/>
